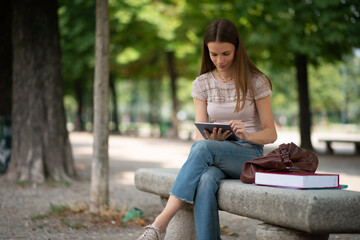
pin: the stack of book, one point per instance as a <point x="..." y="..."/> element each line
<point x="297" y="180"/>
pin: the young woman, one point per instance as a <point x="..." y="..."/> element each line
<point x="230" y="89"/>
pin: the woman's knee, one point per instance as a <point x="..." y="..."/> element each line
<point x="199" y="145"/>
<point x="209" y="180"/>
<point x="202" y="146"/>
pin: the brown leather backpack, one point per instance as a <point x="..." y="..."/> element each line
<point x="287" y="158"/>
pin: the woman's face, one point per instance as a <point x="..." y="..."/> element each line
<point x="221" y="54"/>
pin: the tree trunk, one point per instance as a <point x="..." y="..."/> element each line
<point x="79" y="123"/>
<point x="114" y="115"/>
<point x="5" y="59"/>
<point x="173" y="76"/>
<point x="154" y="89"/>
<point x="134" y="111"/>
<point x="40" y="142"/>
<point x="304" y="105"/>
<point x="100" y="164"/>
<point x="5" y="84"/>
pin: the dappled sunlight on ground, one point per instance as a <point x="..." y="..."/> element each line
<point x="125" y="178"/>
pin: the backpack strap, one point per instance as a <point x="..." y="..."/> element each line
<point x="285" y="156"/>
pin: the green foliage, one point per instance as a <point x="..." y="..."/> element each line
<point x="335" y="90"/>
<point x="325" y="91"/>
<point x="77" y="29"/>
<point x="284" y="97"/>
<point x="318" y="29"/>
<point x="274" y="32"/>
<point x="351" y="88"/>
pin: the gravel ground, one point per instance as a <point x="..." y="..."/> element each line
<point x="19" y="205"/>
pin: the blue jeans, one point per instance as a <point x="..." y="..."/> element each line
<point x="197" y="182"/>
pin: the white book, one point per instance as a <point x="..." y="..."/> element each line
<point x="297" y="180"/>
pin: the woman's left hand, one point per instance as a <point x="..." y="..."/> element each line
<point x="217" y="134"/>
<point x="239" y="129"/>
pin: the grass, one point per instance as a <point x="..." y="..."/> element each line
<point x="48" y="182"/>
<point x="38" y="217"/>
<point x="75" y="225"/>
<point x="23" y="184"/>
<point x="60" y="183"/>
<point x="78" y="216"/>
<point x="59" y="210"/>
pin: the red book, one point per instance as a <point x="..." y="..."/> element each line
<point x="297" y="180"/>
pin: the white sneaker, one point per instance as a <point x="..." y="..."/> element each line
<point x="151" y="233"/>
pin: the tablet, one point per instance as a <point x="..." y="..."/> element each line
<point x="210" y="126"/>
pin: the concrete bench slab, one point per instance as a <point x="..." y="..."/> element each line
<point x="311" y="211"/>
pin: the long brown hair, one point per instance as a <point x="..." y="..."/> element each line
<point x="223" y="30"/>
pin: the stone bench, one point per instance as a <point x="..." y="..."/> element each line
<point x="286" y="213"/>
<point x="330" y="150"/>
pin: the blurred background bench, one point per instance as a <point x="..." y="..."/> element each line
<point x="330" y="150"/>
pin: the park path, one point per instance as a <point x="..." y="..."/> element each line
<point x="127" y="154"/>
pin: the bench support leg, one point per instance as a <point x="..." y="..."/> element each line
<point x="266" y="231"/>
<point x="182" y="226"/>
<point x="329" y="149"/>
<point x="357" y="148"/>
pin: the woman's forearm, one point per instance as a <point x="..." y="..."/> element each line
<point x="265" y="136"/>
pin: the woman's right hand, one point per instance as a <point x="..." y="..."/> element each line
<point x="217" y="134"/>
<point x="239" y="129"/>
